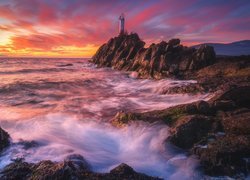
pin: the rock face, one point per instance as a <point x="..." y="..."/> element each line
<point x="4" y="139"/>
<point x="127" y="52"/>
<point x="73" y="167"/>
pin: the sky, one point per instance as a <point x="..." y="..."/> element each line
<point x="76" y="28"/>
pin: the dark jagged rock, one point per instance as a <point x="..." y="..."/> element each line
<point x="73" y="167"/>
<point x="123" y="171"/>
<point x="4" y="139"/>
<point x="118" y="51"/>
<point x="127" y="52"/>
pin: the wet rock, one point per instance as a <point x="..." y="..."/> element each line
<point x="74" y="167"/>
<point x="78" y="161"/>
<point x="122" y="118"/>
<point x="238" y="94"/>
<point x="17" y="171"/>
<point x="190" y="130"/>
<point x="224" y="105"/>
<point x="4" y="137"/>
<point x="62" y="170"/>
<point x="168" y="116"/>
<point x="193" y="88"/>
<point x="226" y="155"/>
<point x="237" y="123"/>
<point x="124" y="171"/>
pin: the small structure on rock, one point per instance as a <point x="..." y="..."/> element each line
<point x="121" y="24"/>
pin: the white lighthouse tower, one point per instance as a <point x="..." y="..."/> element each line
<point x="122" y="24"/>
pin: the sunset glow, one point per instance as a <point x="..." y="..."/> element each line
<point x="76" y="28"/>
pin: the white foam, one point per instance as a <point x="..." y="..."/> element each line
<point x="140" y="145"/>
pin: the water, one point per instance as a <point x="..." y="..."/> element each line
<point x="63" y="106"/>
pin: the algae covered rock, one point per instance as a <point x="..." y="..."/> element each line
<point x="225" y="155"/>
<point x="74" y="167"/>
<point x="190" y="130"/>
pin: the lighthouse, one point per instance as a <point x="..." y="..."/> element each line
<point x="121" y="24"/>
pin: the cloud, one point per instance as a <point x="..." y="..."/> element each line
<point x="53" y="25"/>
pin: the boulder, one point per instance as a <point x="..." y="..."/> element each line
<point x="204" y="56"/>
<point x="123" y="171"/>
<point x="203" y="107"/>
<point x="193" y="88"/>
<point x="190" y="130"/>
<point x="4" y="137"/>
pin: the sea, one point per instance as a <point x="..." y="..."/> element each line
<point x="54" y="107"/>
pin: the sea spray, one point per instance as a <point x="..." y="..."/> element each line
<point x="140" y="145"/>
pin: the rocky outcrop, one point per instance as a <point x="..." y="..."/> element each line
<point x="226" y="72"/>
<point x="127" y="52"/>
<point x="4" y="139"/>
<point x="73" y="167"/>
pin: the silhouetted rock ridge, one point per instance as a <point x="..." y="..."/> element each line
<point x="127" y="52"/>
